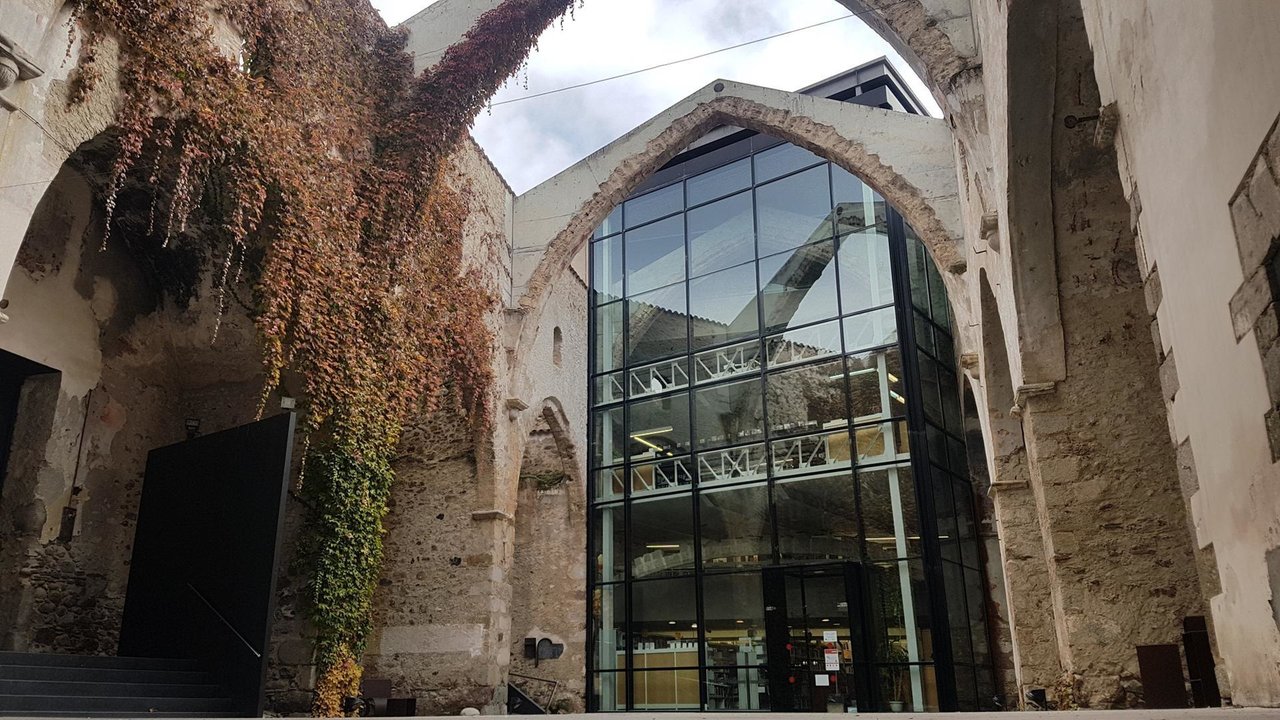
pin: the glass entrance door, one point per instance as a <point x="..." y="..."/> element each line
<point x="815" y="639"/>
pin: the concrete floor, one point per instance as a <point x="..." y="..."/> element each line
<point x="1196" y="714"/>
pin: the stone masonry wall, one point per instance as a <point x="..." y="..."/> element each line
<point x="548" y="575"/>
<point x="1028" y="593"/>
<point x="1197" y="150"/>
<point x="440" y="611"/>
<point x="1102" y="467"/>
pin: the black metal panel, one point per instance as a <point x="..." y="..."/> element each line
<point x="863" y="614"/>
<point x="923" y="472"/>
<point x="1163" y="685"/>
<point x="202" y="578"/>
<point x="14" y="371"/>
<point x="1201" y="670"/>
<point x="518" y="703"/>
<point x="776" y="631"/>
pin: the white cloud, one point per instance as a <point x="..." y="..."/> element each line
<point x="531" y="140"/>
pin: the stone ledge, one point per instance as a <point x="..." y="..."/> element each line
<point x="480" y="515"/>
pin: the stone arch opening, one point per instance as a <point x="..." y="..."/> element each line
<point x="116" y="342"/>
<point x="938" y="40"/>
<point x="803" y="412"/>
<point x="547" y="575"/>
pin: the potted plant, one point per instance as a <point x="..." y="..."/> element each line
<point x="896" y="676"/>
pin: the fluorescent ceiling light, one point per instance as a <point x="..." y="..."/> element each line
<point x="654" y="431"/>
<point x="646" y="442"/>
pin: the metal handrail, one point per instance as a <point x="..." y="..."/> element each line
<point x="555" y="686"/>
<point x="226" y="622"/>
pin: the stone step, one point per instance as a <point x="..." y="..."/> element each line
<point x="56" y="673"/>
<point x="97" y="661"/>
<point x="94" y="688"/>
<point x="92" y="705"/>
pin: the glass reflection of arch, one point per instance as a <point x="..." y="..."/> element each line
<point x="770" y="343"/>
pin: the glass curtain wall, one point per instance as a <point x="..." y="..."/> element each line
<point x="770" y="344"/>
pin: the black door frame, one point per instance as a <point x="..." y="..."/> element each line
<point x="202" y="581"/>
<point x="778" y="633"/>
<point x="15" y="370"/>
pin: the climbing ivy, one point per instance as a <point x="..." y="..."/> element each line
<point x="336" y="201"/>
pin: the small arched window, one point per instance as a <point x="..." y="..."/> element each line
<point x="557" y="340"/>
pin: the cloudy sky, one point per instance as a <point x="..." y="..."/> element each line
<point x="530" y="140"/>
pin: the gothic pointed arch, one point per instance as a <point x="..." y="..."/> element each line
<point x="909" y="159"/>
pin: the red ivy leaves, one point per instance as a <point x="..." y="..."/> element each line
<point x="334" y="156"/>
<point x="332" y="160"/>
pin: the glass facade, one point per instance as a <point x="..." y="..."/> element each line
<point x="781" y="516"/>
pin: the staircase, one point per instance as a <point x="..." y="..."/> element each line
<point x="97" y="686"/>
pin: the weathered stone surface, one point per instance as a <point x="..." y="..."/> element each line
<point x="1152" y="291"/>
<point x="1250" y="301"/>
<point x="1093" y="541"/>
<point x="1169" y="377"/>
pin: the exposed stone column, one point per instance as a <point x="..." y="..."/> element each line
<point x="1028" y="585"/>
<point x="1101" y="466"/>
<point x="1119" y="556"/>
<point x="1031" y="615"/>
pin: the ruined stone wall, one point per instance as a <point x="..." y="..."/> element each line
<point x="1102" y="467"/>
<point x="131" y="369"/>
<point x="433" y="602"/>
<point x="548" y="575"/>
<point x="548" y="561"/>
<point x="1196" y="97"/>
<point x="441" y="621"/>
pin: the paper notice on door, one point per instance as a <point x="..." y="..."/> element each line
<point x="832" y="659"/>
<point x="829" y="636"/>
<point x="821" y="681"/>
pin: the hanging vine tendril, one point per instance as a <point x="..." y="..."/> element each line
<point x="330" y="160"/>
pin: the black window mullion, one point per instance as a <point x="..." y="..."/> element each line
<point x="592" y="633"/>
<point x="934" y="581"/>
<point x="629" y="654"/>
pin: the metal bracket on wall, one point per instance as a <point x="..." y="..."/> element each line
<point x="1104" y="133"/>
